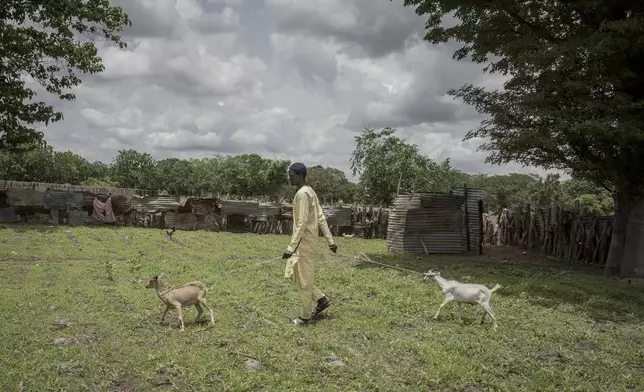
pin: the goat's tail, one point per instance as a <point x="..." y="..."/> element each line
<point x="495" y="288"/>
<point x="197" y="283"/>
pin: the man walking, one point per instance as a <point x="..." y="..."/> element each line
<point x="307" y="220"/>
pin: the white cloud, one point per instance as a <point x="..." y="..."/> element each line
<point x="282" y="78"/>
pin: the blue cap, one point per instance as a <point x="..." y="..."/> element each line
<point x="298" y="168"/>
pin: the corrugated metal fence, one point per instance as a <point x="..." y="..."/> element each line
<point x="422" y="222"/>
<point x="436" y="223"/>
<point x="73" y="204"/>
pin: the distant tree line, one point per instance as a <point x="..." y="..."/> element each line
<point x="386" y="165"/>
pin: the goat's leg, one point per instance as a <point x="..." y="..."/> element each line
<point x="448" y="298"/>
<point x="180" y="315"/>
<point x="199" y="312"/>
<point x="165" y="312"/>
<point x="203" y="303"/>
<point x="460" y="312"/>
<point x="487" y="308"/>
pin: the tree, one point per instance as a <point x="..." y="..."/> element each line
<point x="330" y="184"/>
<point x="574" y="100"/>
<point x="69" y="168"/>
<point x="99" y="175"/>
<point x="274" y="178"/>
<point x="35" y="165"/>
<point x="132" y="169"/>
<point x="504" y="191"/>
<point x="176" y="176"/>
<point x="387" y="165"/>
<point x="240" y="175"/>
<point x="39" y="40"/>
<point x="208" y="178"/>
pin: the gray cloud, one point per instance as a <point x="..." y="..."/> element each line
<point x="293" y="80"/>
<point x="376" y="28"/>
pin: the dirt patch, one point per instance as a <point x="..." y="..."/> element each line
<point x="168" y="375"/>
<point x="62" y="342"/>
<point x="82" y="340"/>
<point x="254" y="365"/>
<point x="336" y="363"/>
<point x="125" y="385"/>
<point x="410" y="327"/>
<point x="546" y="356"/>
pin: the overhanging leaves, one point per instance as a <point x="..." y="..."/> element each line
<point x="575" y="95"/>
<point x="46" y="43"/>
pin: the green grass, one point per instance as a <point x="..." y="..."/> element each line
<point x="77" y="317"/>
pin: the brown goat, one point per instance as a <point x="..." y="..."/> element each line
<point x="191" y="293"/>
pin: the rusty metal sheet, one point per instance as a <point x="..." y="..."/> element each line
<point x="25" y="197"/>
<point x="240" y="207"/>
<point x="473" y="223"/>
<point x="268" y="211"/>
<point x="57" y="200"/>
<point x="43" y="187"/>
<point x="436" y="218"/>
<point x="76" y="218"/>
<point x="155" y="203"/>
<point x="8" y="215"/>
<point x="191" y="221"/>
<point x="201" y="206"/>
<point x="338" y="216"/>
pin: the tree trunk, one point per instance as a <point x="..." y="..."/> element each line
<point x="618" y="240"/>
<point x="633" y="262"/>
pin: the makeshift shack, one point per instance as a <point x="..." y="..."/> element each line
<point x="435" y="223"/>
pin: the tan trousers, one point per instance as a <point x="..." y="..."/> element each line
<point x="300" y="270"/>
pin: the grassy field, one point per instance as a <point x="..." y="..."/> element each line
<point x="77" y="316"/>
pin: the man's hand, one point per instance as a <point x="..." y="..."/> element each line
<point x="334" y="248"/>
<point x="286" y="255"/>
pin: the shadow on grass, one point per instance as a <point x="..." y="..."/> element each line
<point x="546" y="283"/>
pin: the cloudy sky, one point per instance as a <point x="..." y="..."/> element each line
<point x="282" y="78"/>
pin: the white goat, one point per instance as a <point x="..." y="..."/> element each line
<point x="191" y="293"/>
<point x="463" y="293"/>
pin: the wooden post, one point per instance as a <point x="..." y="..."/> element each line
<point x="481" y="233"/>
<point x="467" y="221"/>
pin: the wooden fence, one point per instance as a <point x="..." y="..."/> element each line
<point x="552" y="231"/>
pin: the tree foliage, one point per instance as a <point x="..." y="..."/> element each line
<point x="574" y="99"/>
<point x="517" y="190"/>
<point x="575" y="96"/>
<point x="251" y="176"/>
<point x="387" y="165"/>
<point x="48" y="42"/>
<point x="331" y="182"/>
